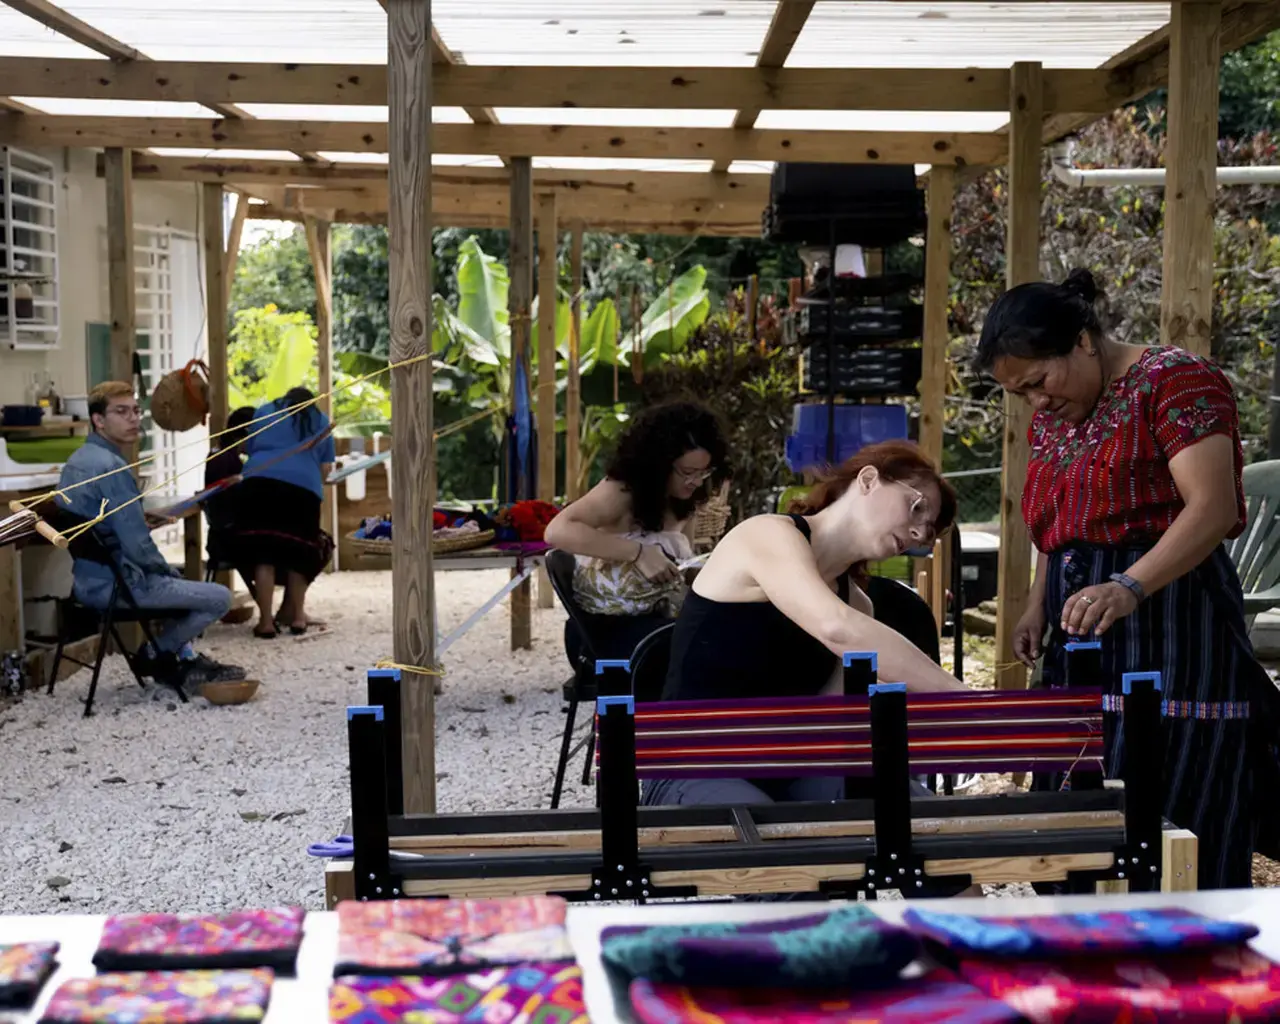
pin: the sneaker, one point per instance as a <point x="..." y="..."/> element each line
<point x="202" y="669"/>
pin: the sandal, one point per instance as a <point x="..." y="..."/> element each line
<point x="266" y="636"/>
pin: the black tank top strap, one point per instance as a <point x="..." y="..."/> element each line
<point x="801" y="524"/>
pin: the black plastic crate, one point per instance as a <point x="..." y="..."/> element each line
<point x="865" y="373"/>
<point x="854" y="324"/>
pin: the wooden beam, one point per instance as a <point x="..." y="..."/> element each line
<point x="548" y="293"/>
<point x="12" y="106"/>
<point x="697" y="88"/>
<point x="937" y="337"/>
<point x="958" y="148"/>
<point x="409" y="98"/>
<point x="318" y="239"/>
<point x="73" y="28"/>
<point x="1022" y="264"/>
<point x="573" y="390"/>
<point x="441" y="54"/>
<point x="785" y="28"/>
<point x="233" y="242"/>
<point x="121" y="280"/>
<point x="216" y="309"/>
<point x="519" y="315"/>
<point x="1191" y="155"/>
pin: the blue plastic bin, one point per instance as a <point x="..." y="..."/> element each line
<point x="856" y="426"/>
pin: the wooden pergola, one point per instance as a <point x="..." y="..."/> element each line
<point x="1042" y="70"/>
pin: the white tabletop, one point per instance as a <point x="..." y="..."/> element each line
<point x="305" y="998"/>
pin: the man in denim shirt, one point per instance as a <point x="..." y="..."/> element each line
<point x="117" y="424"/>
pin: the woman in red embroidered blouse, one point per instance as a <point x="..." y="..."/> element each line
<point x="1133" y="484"/>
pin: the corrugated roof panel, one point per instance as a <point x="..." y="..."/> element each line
<point x="882" y="120"/>
<point x="21" y="36"/>
<point x="117" y="108"/>
<point x="608" y="117"/>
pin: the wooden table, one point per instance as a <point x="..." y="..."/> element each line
<point x="304" y="999"/>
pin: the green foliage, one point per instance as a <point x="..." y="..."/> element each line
<point x="270" y="352"/>
<point x="275" y="272"/>
<point x="361" y="296"/>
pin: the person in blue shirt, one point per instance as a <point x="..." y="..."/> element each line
<point x="96" y="473"/>
<point x="290" y="451"/>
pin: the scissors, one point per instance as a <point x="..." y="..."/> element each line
<point x="342" y="847"/>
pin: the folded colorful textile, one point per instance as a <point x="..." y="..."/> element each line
<point x="247" y="938"/>
<point x="536" y="993"/>
<point x="935" y="998"/>
<point x="448" y="936"/>
<point x="24" y="968"/>
<point x="1118" y="931"/>
<point x="1231" y="984"/>
<point x="849" y="946"/>
<point x="174" y="997"/>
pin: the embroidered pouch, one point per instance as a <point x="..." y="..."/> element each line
<point x="1168" y="929"/>
<point x="847" y="947"/>
<point x="249" y="938"/>
<point x="535" y="993"/>
<point x="938" y="996"/>
<point x="447" y="936"/>
<point x="24" y="968"/>
<point x="173" y="997"/>
<point x="1232" y="984"/>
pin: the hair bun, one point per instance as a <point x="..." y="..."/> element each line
<point x="1080" y="282"/>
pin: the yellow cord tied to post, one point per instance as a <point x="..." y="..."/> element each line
<point x="415" y="669"/>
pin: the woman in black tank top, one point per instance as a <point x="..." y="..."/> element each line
<point x="777" y="603"/>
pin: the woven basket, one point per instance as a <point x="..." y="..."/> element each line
<point x="711" y="519"/>
<point x="382" y="546"/>
<point x="181" y="399"/>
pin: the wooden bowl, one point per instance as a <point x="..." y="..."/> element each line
<point x="237" y="692"/>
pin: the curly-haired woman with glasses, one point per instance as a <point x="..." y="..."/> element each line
<point x="633" y="529"/>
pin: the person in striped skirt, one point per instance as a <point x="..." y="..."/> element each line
<point x="1133" y="485"/>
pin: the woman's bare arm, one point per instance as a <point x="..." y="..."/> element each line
<point x="782" y="565"/>
<point x="590" y="526"/>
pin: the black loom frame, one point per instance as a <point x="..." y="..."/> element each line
<point x="893" y="857"/>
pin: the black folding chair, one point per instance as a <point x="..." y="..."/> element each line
<point x="649" y="664"/>
<point x="581" y="686"/>
<point x="121" y="608"/>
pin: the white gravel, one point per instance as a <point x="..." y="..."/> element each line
<point x="150" y="805"/>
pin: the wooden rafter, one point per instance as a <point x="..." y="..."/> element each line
<point x="789" y="17"/>
<point x="459" y="85"/>
<point x="955" y="148"/>
<point x="66" y="24"/>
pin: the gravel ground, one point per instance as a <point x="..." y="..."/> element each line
<point x="150" y="805"/>
<point x="157" y="806"/>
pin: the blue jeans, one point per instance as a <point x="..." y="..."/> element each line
<point x="204" y="604"/>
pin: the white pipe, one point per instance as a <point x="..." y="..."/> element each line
<point x="1067" y="173"/>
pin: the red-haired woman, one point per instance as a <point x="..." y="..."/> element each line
<point x="778" y="602"/>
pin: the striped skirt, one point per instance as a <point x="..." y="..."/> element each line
<point x="1221" y="725"/>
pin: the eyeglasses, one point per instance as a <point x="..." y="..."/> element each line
<point x="694" y="476"/>
<point x="127" y="412"/>
<point x="921" y="512"/>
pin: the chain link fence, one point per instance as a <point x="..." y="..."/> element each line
<point x="977" y="494"/>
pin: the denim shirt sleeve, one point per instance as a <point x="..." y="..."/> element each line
<point x="128" y="527"/>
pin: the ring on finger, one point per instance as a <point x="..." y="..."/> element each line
<point x="1086" y="600"/>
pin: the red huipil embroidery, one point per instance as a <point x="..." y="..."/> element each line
<point x="1107" y="480"/>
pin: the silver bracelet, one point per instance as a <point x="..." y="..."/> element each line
<point x="1129" y="583"/>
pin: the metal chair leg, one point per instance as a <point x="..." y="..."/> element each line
<point x="570" y="716"/>
<point x="97" y="661"/>
<point x="57" y="654"/>
<point x="129" y="659"/>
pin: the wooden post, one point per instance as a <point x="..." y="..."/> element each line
<point x="548" y="292"/>
<point x="1191" y="156"/>
<point x="413" y="462"/>
<point x="118" y="171"/>
<point x="215" y="292"/>
<point x="233" y="240"/>
<point x="933" y="381"/>
<point x="1022" y="264"/>
<point x="318" y="236"/>
<point x="318" y="244"/>
<point x="573" y="392"/>
<point x="519" y="305"/>
<point x="753" y="300"/>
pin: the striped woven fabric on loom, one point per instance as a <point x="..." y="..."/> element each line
<point x="991" y="732"/>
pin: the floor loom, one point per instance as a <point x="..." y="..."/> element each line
<point x="1106" y="837"/>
